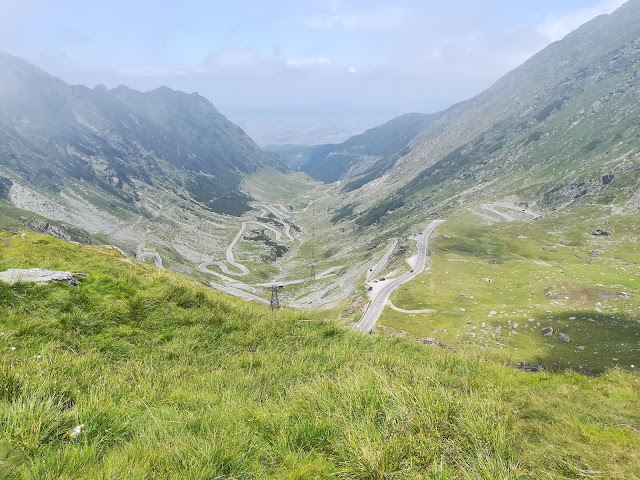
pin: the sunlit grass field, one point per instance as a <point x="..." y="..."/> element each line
<point x="502" y="286"/>
<point x="172" y="380"/>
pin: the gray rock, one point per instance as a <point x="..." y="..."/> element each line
<point x="39" y="276"/>
<point x="624" y="295"/>
<point x="564" y="337"/>
<point x="608" y="178"/>
<point x="434" y="342"/>
<point x="488" y="280"/>
<point x="5" y="186"/>
<point x="549" y="331"/>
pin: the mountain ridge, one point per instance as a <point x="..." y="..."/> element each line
<point x="508" y="138"/>
<point x="52" y="131"/>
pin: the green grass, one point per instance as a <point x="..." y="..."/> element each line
<point x="546" y="273"/>
<point x="173" y="380"/>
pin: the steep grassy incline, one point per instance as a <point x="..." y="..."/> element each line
<point x="172" y="380"/>
<point x="371" y="153"/>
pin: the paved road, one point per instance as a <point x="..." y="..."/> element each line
<point x="238" y="293"/>
<point x="493" y="208"/>
<point x="490" y="207"/>
<point x="156" y="258"/>
<point x="371" y="316"/>
<point x="382" y="263"/>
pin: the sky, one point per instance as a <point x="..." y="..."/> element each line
<point x="276" y="57"/>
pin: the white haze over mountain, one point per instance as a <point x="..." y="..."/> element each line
<point x="291" y="59"/>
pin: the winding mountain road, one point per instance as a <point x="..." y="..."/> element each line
<point x="493" y="208"/>
<point x="157" y="259"/>
<point x="375" y="271"/>
<point x="371" y="316"/>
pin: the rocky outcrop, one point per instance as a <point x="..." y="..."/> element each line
<point x="5" y="186"/>
<point x="40" y="276"/>
<point x="434" y="342"/>
<point x="67" y="233"/>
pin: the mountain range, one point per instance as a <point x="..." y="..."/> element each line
<point x="53" y="134"/>
<point x="561" y="130"/>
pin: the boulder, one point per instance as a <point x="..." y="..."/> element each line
<point x="564" y="337"/>
<point x="5" y="185"/>
<point x="39" y="276"/>
<point x="607" y="179"/>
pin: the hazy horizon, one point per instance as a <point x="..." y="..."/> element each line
<point x="291" y="59"/>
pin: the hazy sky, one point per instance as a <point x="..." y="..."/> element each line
<point x="292" y="56"/>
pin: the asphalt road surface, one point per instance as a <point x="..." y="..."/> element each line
<point x="371" y="316"/>
<point x="156" y="258"/>
<point x="382" y="263"/>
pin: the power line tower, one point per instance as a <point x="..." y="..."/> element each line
<point x="313" y="262"/>
<point x="275" y="301"/>
<point x="313" y="243"/>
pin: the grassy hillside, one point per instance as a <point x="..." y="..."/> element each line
<point x="371" y="153"/>
<point x="172" y="380"/>
<point x="559" y="130"/>
<point x="549" y="273"/>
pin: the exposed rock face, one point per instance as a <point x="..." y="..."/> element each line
<point x="564" y="337"/>
<point x="39" y="276"/>
<point x="601" y="233"/>
<point x="608" y="178"/>
<point x="5" y="185"/>
<point x="67" y="233"/>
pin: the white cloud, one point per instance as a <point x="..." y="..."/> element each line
<point x="149" y="72"/>
<point x="374" y="20"/>
<point x="301" y="62"/>
<point x="557" y="27"/>
<point x="234" y="59"/>
<point x="352" y="70"/>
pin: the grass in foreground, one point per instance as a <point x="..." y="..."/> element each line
<point x="172" y="380"/>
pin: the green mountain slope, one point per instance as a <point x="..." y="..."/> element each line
<point x="559" y="130"/>
<point x="375" y="150"/>
<point x="53" y="134"/>
<point x="172" y="380"/>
